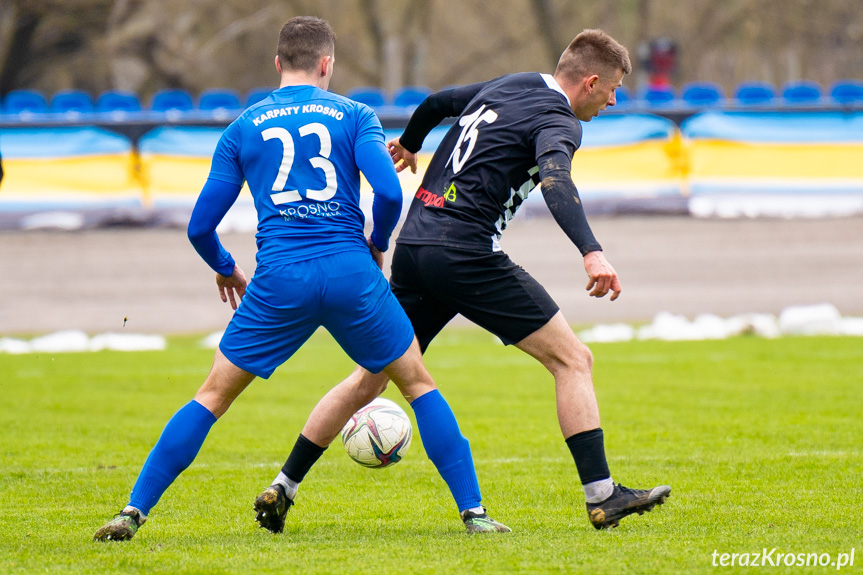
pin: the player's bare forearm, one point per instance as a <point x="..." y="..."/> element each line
<point x="601" y="277"/>
<point x="232" y="287"/>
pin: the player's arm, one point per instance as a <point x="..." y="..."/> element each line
<point x="433" y="110"/>
<point x="374" y="162"/>
<point x="561" y="197"/>
<point x="215" y="200"/>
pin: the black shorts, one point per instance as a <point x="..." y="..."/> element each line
<point x="434" y="283"/>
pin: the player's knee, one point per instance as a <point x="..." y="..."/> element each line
<point x="374" y="388"/>
<point x="585" y="356"/>
<point x="369" y="385"/>
<point x="409" y="372"/>
<point x="415" y="383"/>
<point x="573" y="357"/>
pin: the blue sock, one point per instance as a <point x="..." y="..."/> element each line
<point x="174" y="452"/>
<point x="447" y="448"/>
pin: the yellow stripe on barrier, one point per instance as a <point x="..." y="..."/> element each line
<point x="175" y="178"/>
<point x="737" y="160"/>
<point x="669" y="165"/>
<point x="654" y="160"/>
<point x="109" y="175"/>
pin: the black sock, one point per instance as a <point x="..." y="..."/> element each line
<point x="588" y="451"/>
<point x="302" y="457"/>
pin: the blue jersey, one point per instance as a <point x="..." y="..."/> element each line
<point x="296" y="149"/>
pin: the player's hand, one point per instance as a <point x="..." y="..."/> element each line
<point x="601" y="276"/>
<point x="233" y="287"/>
<point x="377" y="254"/>
<point x="399" y="154"/>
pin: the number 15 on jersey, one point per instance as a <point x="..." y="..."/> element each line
<point x="469" y="132"/>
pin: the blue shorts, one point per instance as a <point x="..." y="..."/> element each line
<point x="345" y="293"/>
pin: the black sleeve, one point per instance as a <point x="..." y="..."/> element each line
<point x="443" y="104"/>
<point x="561" y="197"/>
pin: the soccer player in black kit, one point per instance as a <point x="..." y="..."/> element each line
<point x="512" y="133"/>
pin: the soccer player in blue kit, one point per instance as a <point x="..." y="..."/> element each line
<point x="301" y="151"/>
<point x="512" y="133"/>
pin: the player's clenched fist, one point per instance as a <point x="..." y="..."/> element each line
<point x="601" y="276"/>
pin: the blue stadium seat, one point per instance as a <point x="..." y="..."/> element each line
<point x="118" y="102"/>
<point x="702" y="94"/>
<point x="623" y="97"/>
<point x="803" y="93"/>
<point x="658" y="96"/>
<point x="172" y="100"/>
<point x="410" y="96"/>
<point x="25" y="102"/>
<point x="71" y="103"/>
<point x="257" y="94"/>
<point x="220" y="101"/>
<point x="368" y="95"/>
<point x="755" y="94"/>
<point x="846" y="92"/>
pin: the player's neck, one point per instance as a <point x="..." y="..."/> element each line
<point x="571" y="91"/>
<point x="303" y="79"/>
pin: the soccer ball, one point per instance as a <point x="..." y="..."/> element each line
<point x="378" y="435"/>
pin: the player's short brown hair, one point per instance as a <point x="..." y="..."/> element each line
<point x="593" y="52"/>
<point x="303" y="41"/>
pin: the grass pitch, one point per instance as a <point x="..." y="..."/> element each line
<point x="759" y="439"/>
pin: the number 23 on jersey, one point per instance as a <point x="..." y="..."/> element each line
<point x="321" y="162"/>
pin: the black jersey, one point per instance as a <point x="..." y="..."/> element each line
<point x="486" y="165"/>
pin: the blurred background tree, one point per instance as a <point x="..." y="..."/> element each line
<point x="145" y="45"/>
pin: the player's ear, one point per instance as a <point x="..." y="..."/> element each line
<point x="325" y="65"/>
<point x="278" y="65"/>
<point x="591" y="82"/>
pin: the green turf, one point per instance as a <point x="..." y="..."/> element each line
<point x="760" y="440"/>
